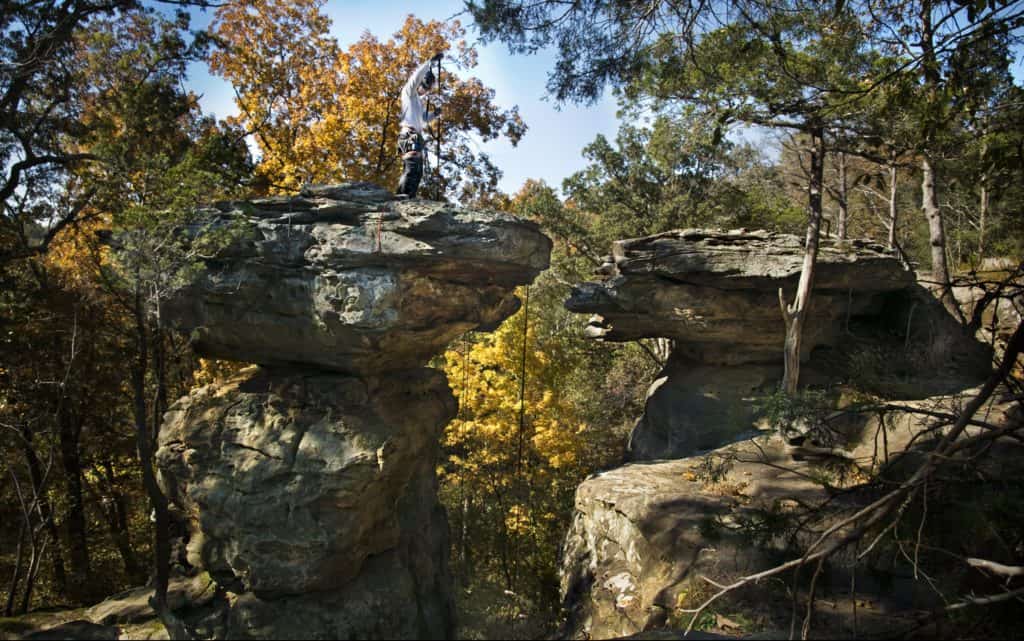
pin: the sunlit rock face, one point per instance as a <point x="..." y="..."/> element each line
<point x="308" y="480"/>
<point x="316" y="491"/>
<point x="715" y="294"/>
<point x="346" y="279"/>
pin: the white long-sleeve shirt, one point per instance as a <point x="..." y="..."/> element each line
<point x="414" y="114"/>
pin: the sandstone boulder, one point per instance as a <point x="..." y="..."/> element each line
<point x="347" y="279"/>
<point x="716" y="293"/>
<point x="308" y="481"/>
<point x="644" y="536"/>
<point x="307" y="486"/>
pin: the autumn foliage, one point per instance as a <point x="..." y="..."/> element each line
<point x="321" y="113"/>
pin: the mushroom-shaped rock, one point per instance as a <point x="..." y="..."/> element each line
<point x="345" y="278"/>
<point x="716" y="294"/>
<point x="308" y="481"/>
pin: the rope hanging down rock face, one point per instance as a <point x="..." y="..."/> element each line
<point x="437" y="169"/>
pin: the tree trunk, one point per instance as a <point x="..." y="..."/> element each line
<point x="160" y="374"/>
<point x="19" y="558"/>
<point x="983" y="205"/>
<point x="932" y="121"/>
<point x="74" y="517"/>
<point x="45" y="509"/>
<point x="936" y="235"/>
<point x="144" y="444"/>
<point x="982" y="215"/>
<point x="36" y="555"/>
<point x="893" y="210"/>
<point x="844" y="210"/>
<point x="795" y="314"/>
<point x="112" y="504"/>
<point x="464" y="546"/>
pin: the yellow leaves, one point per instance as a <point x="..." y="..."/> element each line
<point x="501" y="440"/>
<point x="211" y="370"/>
<point x="74" y="256"/>
<point x="324" y="114"/>
<point x="517" y="520"/>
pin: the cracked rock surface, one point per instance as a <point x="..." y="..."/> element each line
<point x="308" y="481"/>
<point x="306" y="489"/>
<point x="347" y="279"/>
<point x="716" y="292"/>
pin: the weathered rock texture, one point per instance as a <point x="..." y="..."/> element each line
<point x="643" y="536"/>
<point x="308" y="480"/>
<point x="346" y="279"/>
<point x="715" y="294"/>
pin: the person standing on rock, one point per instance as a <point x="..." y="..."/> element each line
<point x="414" y="119"/>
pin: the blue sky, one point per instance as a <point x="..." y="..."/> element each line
<point x="551" y="148"/>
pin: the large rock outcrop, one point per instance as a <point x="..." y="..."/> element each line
<point x="645" y="534"/>
<point x="346" y="279"/>
<point x="715" y="294"/>
<point x="308" y="480"/>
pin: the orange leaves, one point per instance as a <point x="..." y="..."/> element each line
<point x="323" y="114"/>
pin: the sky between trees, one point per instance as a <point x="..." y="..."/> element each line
<point x="551" y="148"/>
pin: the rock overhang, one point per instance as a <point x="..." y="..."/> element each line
<point x="716" y="292"/>
<point x="347" y="278"/>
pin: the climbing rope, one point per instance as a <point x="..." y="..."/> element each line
<point x="437" y="170"/>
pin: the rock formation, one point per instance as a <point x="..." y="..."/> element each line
<point x="343" y="279"/>
<point x="715" y="294"/>
<point x="308" y="481"/>
<point x="644" y="534"/>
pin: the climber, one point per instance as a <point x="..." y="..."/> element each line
<point x="414" y="119"/>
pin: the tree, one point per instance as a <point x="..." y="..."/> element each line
<point x="539" y="408"/>
<point x="987" y="117"/>
<point x="42" y="86"/>
<point x="321" y="114"/>
<point x="790" y="65"/>
<point x="163" y="160"/>
<point x="85" y="73"/>
<point x="673" y="174"/>
<point x="38" y="117"/>
<point x="924" y="35"/>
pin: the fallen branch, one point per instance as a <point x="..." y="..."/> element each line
<point x="896" y="500"/>
<point x="987" y="600"/>
<point x="996" y="568"/>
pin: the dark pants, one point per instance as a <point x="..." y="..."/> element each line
<point x="410" y="145"/>
<point x="412" y="172"/>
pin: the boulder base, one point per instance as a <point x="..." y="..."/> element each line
<point x="314" y="494"/>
